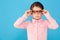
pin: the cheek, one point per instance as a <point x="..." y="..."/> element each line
<point x="41" y="14"/>
<point x="33" y="15"/>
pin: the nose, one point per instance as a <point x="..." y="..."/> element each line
<point x="37" y="13"/>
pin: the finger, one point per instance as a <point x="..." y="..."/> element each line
<point x="44" y="11"/>
<point x="28" y="11"/>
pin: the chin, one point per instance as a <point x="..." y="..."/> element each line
<point x="37" y="18"/>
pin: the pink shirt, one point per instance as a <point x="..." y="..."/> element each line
<point x="37" y="29"/>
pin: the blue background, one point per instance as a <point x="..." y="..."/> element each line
<point x="11" y="10"/>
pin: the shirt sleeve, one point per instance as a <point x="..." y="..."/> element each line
<point x="20" y="22"/>
<point x="52" y="24"/>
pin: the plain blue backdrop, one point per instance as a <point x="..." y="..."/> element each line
<point x="11" y="10"/>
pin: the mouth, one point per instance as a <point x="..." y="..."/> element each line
<point x="37" y="16"/>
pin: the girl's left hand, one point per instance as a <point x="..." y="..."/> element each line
<point x="45" y="12"/>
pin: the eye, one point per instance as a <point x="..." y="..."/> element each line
<point x="33" y="11"/>
<point x="40" y="11"/>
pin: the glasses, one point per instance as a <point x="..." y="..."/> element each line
<point x="40" y="11"/>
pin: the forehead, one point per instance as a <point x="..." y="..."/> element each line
<point x="36" y="8"/>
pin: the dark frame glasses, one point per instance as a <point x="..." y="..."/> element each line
<point x="40" y="11"/>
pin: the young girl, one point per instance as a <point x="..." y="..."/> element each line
<point x="37" y="29"/>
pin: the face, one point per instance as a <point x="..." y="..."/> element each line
<point x="37" y="13"/>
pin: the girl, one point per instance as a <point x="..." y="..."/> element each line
<point x="37" y="29"/>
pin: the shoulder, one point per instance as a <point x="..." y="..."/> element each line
<point x="28" y="22"/>
<point x="45" y="21"/>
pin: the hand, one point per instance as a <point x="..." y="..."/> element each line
<point x="28" y="12"/>
<point x="45" y="11"/>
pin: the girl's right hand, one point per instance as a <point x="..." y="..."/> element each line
<point x="28" y="12"/>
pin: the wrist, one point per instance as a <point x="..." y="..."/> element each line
<point x="25" y="16"/>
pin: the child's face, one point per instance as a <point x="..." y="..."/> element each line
<point x="37" y="12"/>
